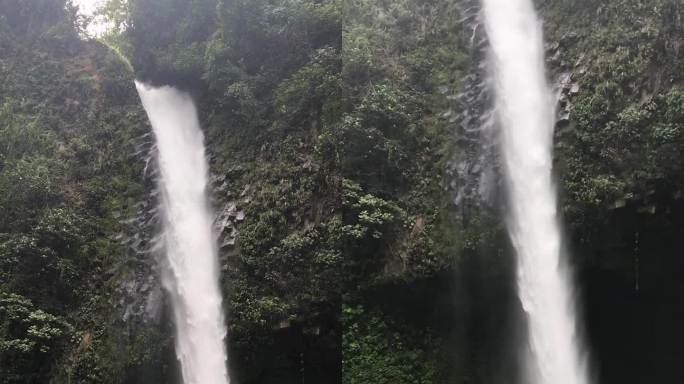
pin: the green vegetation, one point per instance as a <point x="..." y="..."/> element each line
<point x="377" y="355"/>
<point x="330" y="128"/>
<point x="619" y="158"/>
<point x="625" y="140"/>
<point x="69" y="117"/>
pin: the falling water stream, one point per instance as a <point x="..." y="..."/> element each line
<point x="525" y="112"/>
<point x="190" y="275"/>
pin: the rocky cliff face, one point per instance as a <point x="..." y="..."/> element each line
<point x="356" y="185"/>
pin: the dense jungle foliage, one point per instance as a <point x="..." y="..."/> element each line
<point x="334" y="129"/>
<point x="619" y="156"/>
<point x="69" y="114"/>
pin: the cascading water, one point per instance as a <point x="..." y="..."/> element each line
<point x="525" y="112"/>
<point x="191" y="273"/>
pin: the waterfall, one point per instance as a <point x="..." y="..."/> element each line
<point x="525" y="112"/>
<point x="190" y="275"/>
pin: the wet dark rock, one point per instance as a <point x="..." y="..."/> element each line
<point x="476" y="154"/>
<point x="140" y="292"/>
<point x="227" y="221"/>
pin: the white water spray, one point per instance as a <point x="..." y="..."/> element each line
<point x="191" y="276"/>
<point x="525" y="111"/>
